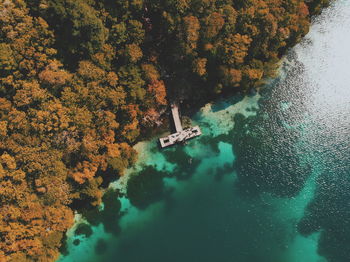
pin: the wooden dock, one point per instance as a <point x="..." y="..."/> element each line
<point x="176" y="117"/>
<point x="181" y="135"/>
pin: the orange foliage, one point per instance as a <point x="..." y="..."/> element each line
<point x="199" y="66"/>
<point x="53" y="75"/>
<point x="8" y="161"/>
<point x="89" y="71"/>
<point x="191" y="27"/>
<point x="29" y="93"/>
<point x="235" y="48"/>
<point x="214" y="24"/>
<point x="113" y="150"/>
<point x="157" y="89"/>
<point x="151" y="118"/>
<point x="231" y="76"/>
<point x="151" y="72"/>
<point x="133" y="52"/>
<point x="84" y="171"/>
<point x="255" y="74"/>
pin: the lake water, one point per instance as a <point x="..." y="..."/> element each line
<point x="268" y="181"/>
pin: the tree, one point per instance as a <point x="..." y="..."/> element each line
<point x="214" y="23"/>
<point x="82" y="31"/>
<point x="190" y="33"/>
<point x="235" y="49"/>
<point x="7" y="62"/>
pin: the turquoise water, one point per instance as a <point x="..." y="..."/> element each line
<point x="267" y="181"/>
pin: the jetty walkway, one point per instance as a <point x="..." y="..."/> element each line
<point x="176" y="117"/>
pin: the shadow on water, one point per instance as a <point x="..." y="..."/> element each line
<point x="185" y="164"/>
<point x="329" y="211"/>
<point x="220" y="172"/>
<point x="108" y="216"/>
<point x="83" y="229"/>
<point x="147" y="187"/>
<point x="101" y="247"/>
<point x="207" y="225"/>
<point x="224" y="104"/>
<point x="64" y="247"/>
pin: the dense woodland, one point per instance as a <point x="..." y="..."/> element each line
<point x="81" y="79"/>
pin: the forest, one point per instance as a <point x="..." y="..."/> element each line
<point x="82" y="80"/>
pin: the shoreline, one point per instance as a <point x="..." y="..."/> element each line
<point x="143" y="147"/>
<point x="234" y="100"/>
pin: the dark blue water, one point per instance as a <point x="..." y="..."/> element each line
<point x="268" y="181"/>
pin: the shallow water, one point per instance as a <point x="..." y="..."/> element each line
<point x="212" y="207"/>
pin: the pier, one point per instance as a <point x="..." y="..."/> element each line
<point x="176" y="117"/>
<point x="181" y="134"/>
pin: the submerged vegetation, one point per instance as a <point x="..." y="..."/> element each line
<point x="81" y="79"/>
